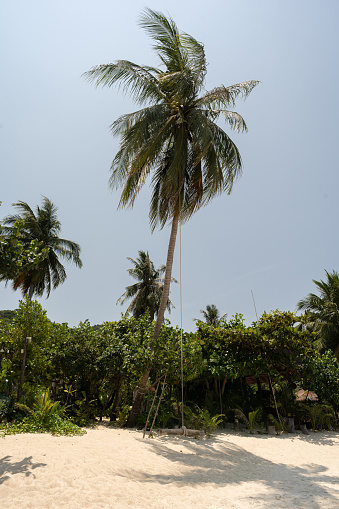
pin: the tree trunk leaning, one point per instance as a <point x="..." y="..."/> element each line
<point x="167" y="280"/>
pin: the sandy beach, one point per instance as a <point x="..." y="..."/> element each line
<point x="117" y="468"/>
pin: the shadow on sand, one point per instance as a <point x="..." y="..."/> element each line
<point x="25" y="466"/>
<point x="213" y="461"/>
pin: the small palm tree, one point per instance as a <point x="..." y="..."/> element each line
<point x="42" y="226"/>
<point x="212" y="315"/>
<point x="146" y="293"/>
<point x="322" y="312"/>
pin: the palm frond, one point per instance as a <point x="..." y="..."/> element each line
<point x="139" y="81"/>
<point x="166" y="35"/>
<point x="141" y="145"/>
<point x="222" y="97"/>
<point x="196" y="57"/>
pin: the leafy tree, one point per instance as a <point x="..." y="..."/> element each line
<point x="41" y="228"/>
<point x="212" y="315"/>
<point x="14" y="257"/>
<point x="259" y="365"/>
<point x="146" y="294"/>
<point x="25" y="340"/>
<point x="96" y="372"/>
<point x="321" y="375"/>
<point x="174" y="136"/>
<point x="272" y="346"/>
<point x="322" y="312"/>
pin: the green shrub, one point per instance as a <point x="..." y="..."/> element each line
<point x="53" y="424"/>
<point x="321" y="416"/>
<point x="44" y="407"/>
<point x="250" y="420"/>
<point x="202" y="419"/>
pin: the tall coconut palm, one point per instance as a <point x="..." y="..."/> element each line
<point x="212" y="315"/>
<point x="322" y="312"/>
<point x="146" y="293"/>
<point x="42" y="226"/>
<point x="174" y="138"/>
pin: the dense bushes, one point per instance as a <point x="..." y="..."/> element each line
<point x="92" y="374"/>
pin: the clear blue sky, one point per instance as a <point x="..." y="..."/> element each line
<point x="278" y="229"/>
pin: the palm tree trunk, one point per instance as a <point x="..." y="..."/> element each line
<point x="167" y="280"/>
<point x="161" y="313"/>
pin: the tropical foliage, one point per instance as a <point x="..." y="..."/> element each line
<point x="321" y="375"/>
<point x="273" y="346"/>
<point x="146" y="293"/>
<point x="230" y="371"/>
<point x="212" y="315"/>
<point x="39" y="230"/>
<point x="322" y="312"/>
<point x="15" y="257"/>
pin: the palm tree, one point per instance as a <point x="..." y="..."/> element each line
<point x="322" y="312"/>
<point x="13" y="256"/>
<point x="43" y="227"/>
<point x="146" y="293"/>
<point x="212" y="315"/>
<point x="174" y="137"/>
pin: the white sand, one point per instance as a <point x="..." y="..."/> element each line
<point x="114" y="468"/>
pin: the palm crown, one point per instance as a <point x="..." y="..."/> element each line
<point x="322" y="311"/>
<point x="175" y="136"/>
<point x="212" y="315"/>
<point x="146" y="293"/>
<point x="44" y="227"/>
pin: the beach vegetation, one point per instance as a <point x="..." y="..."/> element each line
<point x="37" y="231"/>
<point x="322" y="312"/>
<point x="321" y="375"/>
<point x="320" y="416"/>
<point x="46" y="416"/>
<point x="55" y="425"/>
<point x="17" y="255"/>
<point x="146" y="293"/>
<point x="44" y="407"/>
<point x="201" y="419"/>
<point x="212" y="315"/>
<point x="82" y="375"/>
<point x="251" y="419"/>
<point x="279" y="424"/>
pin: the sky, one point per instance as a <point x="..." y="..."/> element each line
<point x="272" y="236"/>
